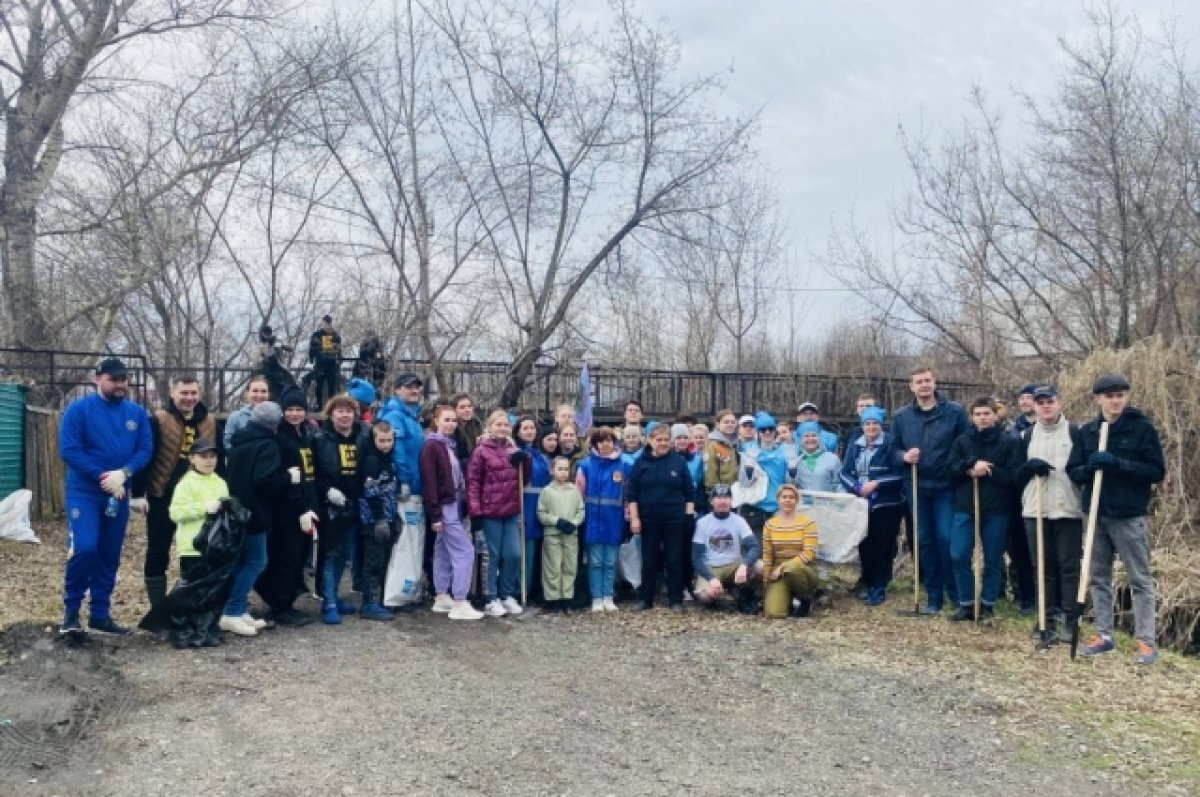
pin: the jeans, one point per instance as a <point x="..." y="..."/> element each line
<point x="94" y="543"/>
<point x="993" y="531"/>
<point x="935" y="521"/>
<point x="602" y="569"/>
<point x="1130" y="539"/>
<point x="337" y="544"/>
<point x="504" y="557"/>
<point x="251" y="562"/>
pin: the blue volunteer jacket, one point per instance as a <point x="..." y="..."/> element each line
<point x="874" y="462"/>
<point x="539" y="478"/>
<point x="410" y="439"/>
<point x="934" y="432"/>
<point x="603" y="498"/>
<point x="774" y="463"/>
<point x="96" y="436"/>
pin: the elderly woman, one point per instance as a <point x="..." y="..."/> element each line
<point x="872" y="472"/>
<point x="816" y="468"/>
<point x="789" y="551"/>
<point x="660" y="496"/>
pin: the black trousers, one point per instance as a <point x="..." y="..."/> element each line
<point x="877" y="551"/>
<point x="1062" y="547"/>
<point x="286" y="546"/>
<point x="662" y="540"/>
<point x="375" y="562"/>
<point x="755" y="518"/>
<point x="160" y="533"/>
<point x="1022" y="573"/>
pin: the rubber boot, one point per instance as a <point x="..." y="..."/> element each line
<point x="156" y="589"/>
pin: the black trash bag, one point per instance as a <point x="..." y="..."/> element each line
<point x="192" y="602"/>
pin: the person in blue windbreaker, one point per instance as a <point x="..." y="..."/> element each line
<point x="601" y="479"/>
<point x="871" y="472"/>
<point x="527" y="440"/>
<point x="104" y="439"/>
<point x="772" y="459"/>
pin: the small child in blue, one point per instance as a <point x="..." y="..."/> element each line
<point x="377" y="515"/>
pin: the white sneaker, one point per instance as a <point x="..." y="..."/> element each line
<point x="597" y="606"/>
<point x="236" y="625"/>
<point x="443" y="604"/>
<point x="462" y="610"/>
<point x="495" y="609"/>
<point x="609" y="606"/>
<point x="512" y="606"/>
<point x="249" y="619"/>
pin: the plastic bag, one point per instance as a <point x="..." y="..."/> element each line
<point x="14" y="517"/>
<point x="403" y="583"/>
<point x="629" y="562"/>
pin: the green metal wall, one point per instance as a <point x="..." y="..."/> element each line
<point x="12" y="438"/>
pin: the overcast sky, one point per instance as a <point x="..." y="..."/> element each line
<point x="837" y="78"/>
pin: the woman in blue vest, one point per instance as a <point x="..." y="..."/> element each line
<point x="601" y="480"/>
<point x="527" y="440"/>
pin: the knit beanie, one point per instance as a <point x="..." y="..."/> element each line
<point x="877" y="414"/>
<point x="680" y="430"/>
<point x="293" y="397"/>
<point x="266" y="414"/>
<point x="808" y="426"/>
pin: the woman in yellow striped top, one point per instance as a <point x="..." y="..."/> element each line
<point x="789" y="551"/>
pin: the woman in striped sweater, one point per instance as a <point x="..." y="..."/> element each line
<point x="789" y="553"/>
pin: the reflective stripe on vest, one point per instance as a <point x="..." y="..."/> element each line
<point x="603" y="501"/>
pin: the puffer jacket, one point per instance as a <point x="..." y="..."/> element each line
<point x="492" y="487"/>
<point x="1133" y="440"/>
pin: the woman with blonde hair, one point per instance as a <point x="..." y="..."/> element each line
<point x="789" y="552"/>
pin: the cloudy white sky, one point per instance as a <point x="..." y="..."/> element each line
<point x="837" y="78"/>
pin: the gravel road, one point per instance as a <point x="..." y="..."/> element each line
<point x="653" y="704"/>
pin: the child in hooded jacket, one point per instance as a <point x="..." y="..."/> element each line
<point x="377" y="512"/>
<point x="560" y="511"/>
<point x="197" y="496"/>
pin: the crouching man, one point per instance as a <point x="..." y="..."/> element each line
<point x="725" y="554"/>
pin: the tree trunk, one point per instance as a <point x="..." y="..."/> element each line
<point x="518" y="374"/>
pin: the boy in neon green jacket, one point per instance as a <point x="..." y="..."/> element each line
<point x="197" y="496"/>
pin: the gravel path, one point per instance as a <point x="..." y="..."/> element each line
<point x="581" y="705"/>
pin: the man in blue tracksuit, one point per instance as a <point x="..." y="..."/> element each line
<point x="104" y="440"/>
<point x="402" y="410"/>
<point x="922" y="435"/>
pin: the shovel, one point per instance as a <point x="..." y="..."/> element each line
<point x="1044" y="639"/>
<point x="978" y="554"/>
<point x="916" y="545"/>
<point x="1085" y="569"/>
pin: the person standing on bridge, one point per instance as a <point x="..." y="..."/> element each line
<point x="175" y="428"/>
<point x="104" y="440"/>
<point x="325" y="354"/>
<point x="923" y="433"/>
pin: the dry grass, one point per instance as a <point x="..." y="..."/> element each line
<point x="1166" y="386"/>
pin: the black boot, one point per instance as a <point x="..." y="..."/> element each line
<point x="156" y="589"/>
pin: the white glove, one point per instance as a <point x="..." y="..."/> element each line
<point x="294" y="475"/>
<point x="308" y="522"/>
<point x="139" y="506"/>
<point x="112" y="481"/>
<point x="335" y="497"/>
<point x="212" y="507"/>
<point x="405" y="493"/>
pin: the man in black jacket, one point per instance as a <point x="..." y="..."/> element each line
<point x="325" y="354"/>
<point x="1132" y="463"/>
<point x="336" y="450"/>
<point x="986" y="455"/>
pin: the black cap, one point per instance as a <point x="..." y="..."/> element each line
<point x="201" y="445"/>
<point x="1031" y="389"/>
<point x="721" y="491"/>
<point x="1109" y="383"/>
<point x="111" y="366"/>
<point x="1043" y="391"/>
<point x="328" y="319"/>
<point x="408" y="379"/>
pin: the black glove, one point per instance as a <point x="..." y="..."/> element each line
<point x="1102" y="460"/>
<point x="1039" y="467"/>
<point x="565" y="526"/>
<point x="383" y="532"/>
<point x="515" y="458"/>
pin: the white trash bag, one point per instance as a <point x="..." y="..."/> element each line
<point x="403" y="583"/>
<point x="629" y="562"/>
<point x="14" y="517"/>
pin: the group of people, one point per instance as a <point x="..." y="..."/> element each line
<point x="542" y="508"/>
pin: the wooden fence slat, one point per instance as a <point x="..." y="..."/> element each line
<point x="45" y="472"/>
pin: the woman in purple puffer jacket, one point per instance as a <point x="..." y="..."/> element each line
<point x="494" y="496"/>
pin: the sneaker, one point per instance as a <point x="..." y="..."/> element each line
<point x="443" y="604"/>
<point x="463" y="610"/>
<point x="964" y="614"/>
<point x="495" y="608"/>
<point x="1145" y="654"/>
<point x="876" y="596"/>
<point x="512" y="607"/>
<point x="290" y="618"/>
<point x="346" y="607"/>
<point x="236" y="625"/>
<point x="1098" y="644"/>
<point x="106" y="625"/>
<point x="251" y="620"/>
<point x="373" y="611"/>
<point x="804" y="609"/>
<point x="610" y="606"/>
<point x="70" y="623"/>
<point x="330" y="615"/>
<point x="597" y="606"/>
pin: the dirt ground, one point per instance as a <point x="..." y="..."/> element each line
<point x="852" y="701"/>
